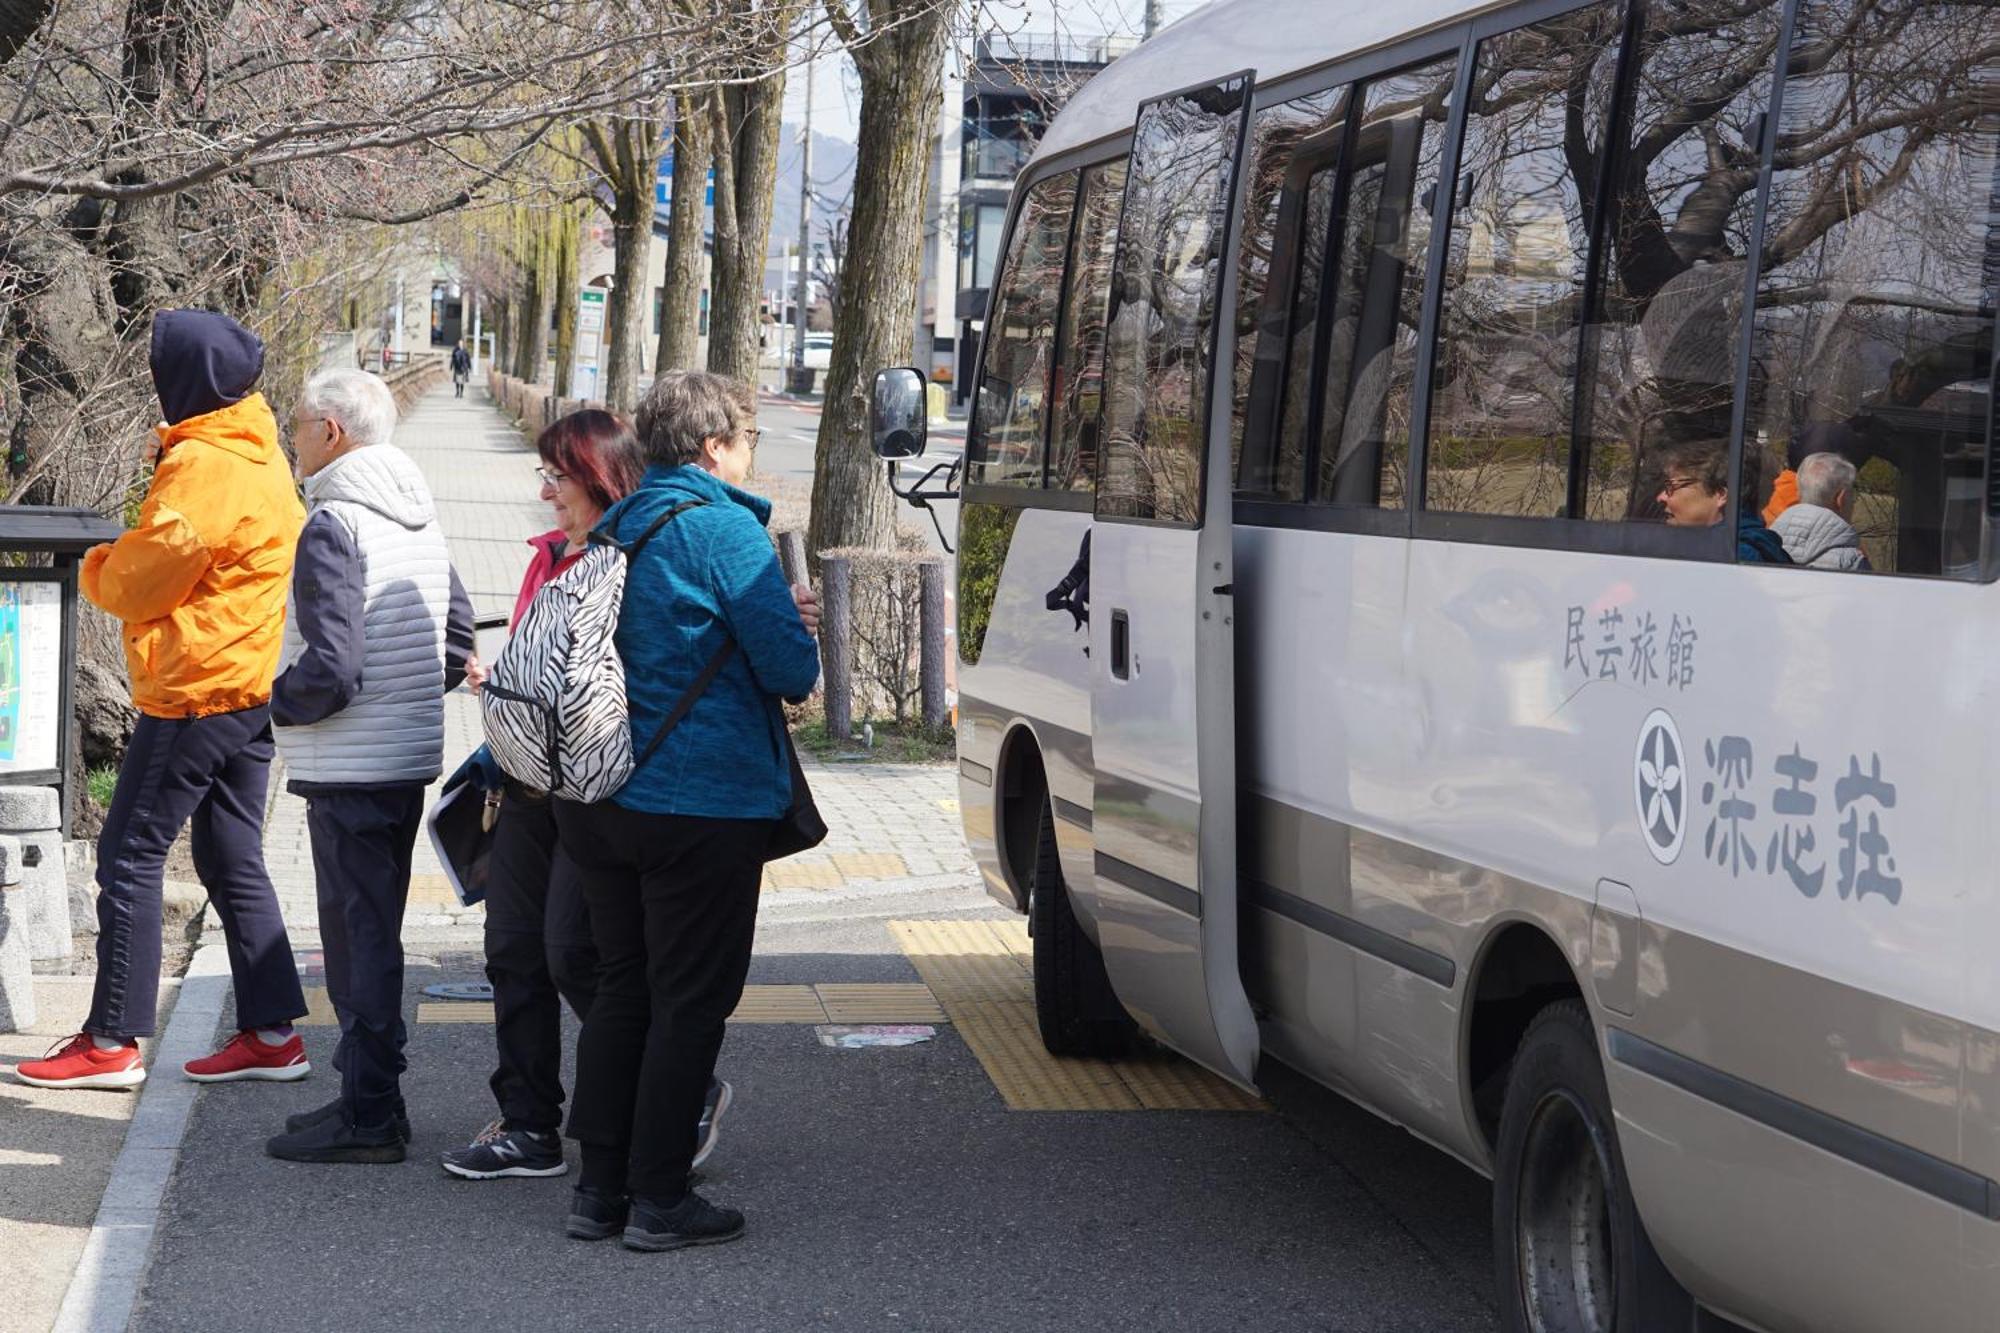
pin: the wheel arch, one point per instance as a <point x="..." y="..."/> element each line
<point x="1020" y="790"/>
<point x="1518" y="971"/>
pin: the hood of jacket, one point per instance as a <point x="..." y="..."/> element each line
<point x="246" y="429"/>
<point x="202" y="361"/>
<point x="1810" y="531"/>
<point x="382" y="478"/>
<point x="688" y="482"/>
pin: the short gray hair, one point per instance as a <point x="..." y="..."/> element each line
<point x="1822" y="477"/>
<point x="686" y="407"/>
<point x="359" y="401"/>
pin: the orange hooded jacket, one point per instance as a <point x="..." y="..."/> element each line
<point x="200" y="582"/>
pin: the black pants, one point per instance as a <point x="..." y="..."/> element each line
<point x="362" y="838"/>
<point x="538" y="954"/>
<point x="673" y="907"/>
<point x="211" y="771"/>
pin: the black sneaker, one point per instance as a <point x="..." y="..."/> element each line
<point x="692" y="1221"/>
<point x="709" y="1132"/>
<point x="595" y="1216"/>
<point x="507" y="1152"/>
<point x="331" y="1111"/>
<point x="334" y="1140"/>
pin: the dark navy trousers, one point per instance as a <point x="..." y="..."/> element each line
<point x="211" y="771"/>
<point x="362" y="839"/>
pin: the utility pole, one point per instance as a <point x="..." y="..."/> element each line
<point x="1153" y="15"/>
<point x="805" y="238"/>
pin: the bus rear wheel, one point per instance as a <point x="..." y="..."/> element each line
<point x="1075" y="1007"/>
<point x="1573" y="1254"/>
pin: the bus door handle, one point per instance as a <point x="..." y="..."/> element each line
<point x="1121" y="645"/>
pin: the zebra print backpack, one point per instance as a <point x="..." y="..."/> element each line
<point x="554" y="700"/>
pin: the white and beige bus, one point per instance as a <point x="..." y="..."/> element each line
<point x="1379" y="653"/>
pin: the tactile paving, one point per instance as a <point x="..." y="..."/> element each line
<point x="454" y="1011"/>
<point x="891" y="1002"/>
<point x="779" y="1004"/>
<point x="319" y="1010"/>
<point x="980" y="973"/>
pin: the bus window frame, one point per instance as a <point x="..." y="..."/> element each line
<point x="1079" y="160"/>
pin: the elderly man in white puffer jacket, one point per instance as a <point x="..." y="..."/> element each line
<point x="1818" y="531"/>
<point x="377" y="632"/>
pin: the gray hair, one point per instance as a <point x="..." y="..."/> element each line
<point x="686" y="407"/>
<point x="359" y="401"/>
<point x="1822" y="477"/>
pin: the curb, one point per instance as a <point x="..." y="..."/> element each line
<point x="105" y="1288"/>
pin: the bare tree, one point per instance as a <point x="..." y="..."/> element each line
<point x="898" y="46"/>
<point x="625" y="150"/>
<point x="680" y="330"/>
<point x="749" y="119"/>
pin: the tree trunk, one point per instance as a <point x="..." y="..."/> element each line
<point x="632" y="233"/>
<point x="18" y="21"/>
<point x="680" y="329"/>
<point x="901" y="68"/>
<point x="746" y="173"/>
<point x="532" y="358"/>
<point x="567" y="236"/>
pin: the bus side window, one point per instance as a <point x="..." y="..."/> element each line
<point x="1290" y="158"/>
<point x="1503" y="379"/>
<point x="1660" y="352"/>
<point x="1078" y="394"/>
<point x="1005" y="443"/>
<point x="1873" y="332"/>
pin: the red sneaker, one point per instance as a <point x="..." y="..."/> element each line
<point x="246" y="1056"/>
<point x="79" y="1064"/>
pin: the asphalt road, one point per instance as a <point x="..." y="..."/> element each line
<point x="884" y="1188"/>
<point x="785" y="451"/>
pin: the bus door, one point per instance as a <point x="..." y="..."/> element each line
<point x="1161" y="632"/>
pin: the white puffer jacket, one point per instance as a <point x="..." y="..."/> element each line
<point x="392" y="728"/>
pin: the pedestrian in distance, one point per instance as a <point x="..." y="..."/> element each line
<point x="378" y="630"/>
<point x="199" y="582"/>
<point x="671" y="865"/>
<point x="538" y="947"/>
<point x="461" y="368"/>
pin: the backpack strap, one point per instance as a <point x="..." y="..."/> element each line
<point x="632" y="551"/>
<point x="687" y="700"/>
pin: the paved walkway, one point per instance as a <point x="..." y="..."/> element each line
<point x="894" y="827"/>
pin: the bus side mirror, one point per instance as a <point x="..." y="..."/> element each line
<point x="898" y="414"/>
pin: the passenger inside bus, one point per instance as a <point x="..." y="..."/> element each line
<point x="1694" y="491"/>
<point x="1818" y="527"/>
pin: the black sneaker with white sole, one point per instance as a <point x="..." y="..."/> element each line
<point x="511" y="1152"/>
<point x="692" y="1221"/>
<point x="709" y="1132"/>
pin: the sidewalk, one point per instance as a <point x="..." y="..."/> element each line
<point x="895" y="839"/>
<point x="894" y="828"/>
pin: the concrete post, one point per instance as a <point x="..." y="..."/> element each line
<point x="930" y="624"/>
<point x="835" y="653"/>
<point x="34" y="815"/>
<point x="17" y="973"/>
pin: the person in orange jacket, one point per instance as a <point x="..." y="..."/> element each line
<point x="200" y="584"/>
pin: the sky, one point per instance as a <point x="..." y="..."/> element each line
<point x="836" y="94"/>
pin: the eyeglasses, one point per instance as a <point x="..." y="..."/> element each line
<point x="550" y="477"/>
<point x="754" y="435"/>
<point x="1675" y="485"/>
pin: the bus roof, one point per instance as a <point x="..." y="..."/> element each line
<point x="1272" y="37"/>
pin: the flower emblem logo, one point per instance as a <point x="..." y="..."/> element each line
<point x="1659" y="786"/>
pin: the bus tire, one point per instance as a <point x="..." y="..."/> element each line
<point x="1573" y="1255"/>
<point x="1075" y="1007"/>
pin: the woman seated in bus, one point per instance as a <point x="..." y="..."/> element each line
<point x="1694" y="491"/>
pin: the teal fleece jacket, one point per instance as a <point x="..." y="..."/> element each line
<point x="708" y="576"/>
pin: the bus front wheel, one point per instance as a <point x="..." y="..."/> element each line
<point x="1075" y="1007"/>
<point x="1573" y="1254"/>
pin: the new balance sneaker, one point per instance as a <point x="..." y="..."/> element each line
<point x="336" y="1141"/>
<point x="594" y="1215"/>
<point x="709" y="1132"/>
<point x="692" y="1221"/>
<point x="507" y="1152"/>
<point x="246" y="1056"/>
<point x="331" y="1111"/>
<point x="78" y="1063"/>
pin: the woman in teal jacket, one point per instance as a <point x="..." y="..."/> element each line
<point x="672" y="864"/>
